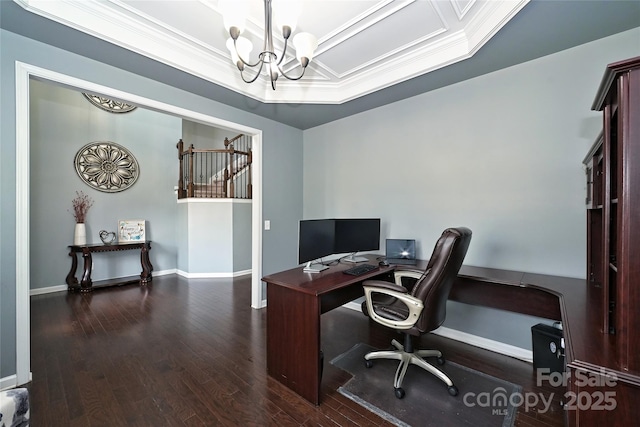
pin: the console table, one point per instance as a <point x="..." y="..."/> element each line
<point x="86" y="284"/>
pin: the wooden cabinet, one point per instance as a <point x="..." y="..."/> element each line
<point x="614" y="210"/>
<point x="613" y="245"/>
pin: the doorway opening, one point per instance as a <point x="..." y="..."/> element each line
<point x="26" y="72"/>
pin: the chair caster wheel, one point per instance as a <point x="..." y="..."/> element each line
<point x="453" y="390"/>
<point x="440" y="360"/>
<point x="368" y="363"/>
<point x="399" y="393"/>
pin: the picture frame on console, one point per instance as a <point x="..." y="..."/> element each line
<point x="131" y="230"/>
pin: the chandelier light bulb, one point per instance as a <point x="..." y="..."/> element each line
<point x="286" y="13"/>
<point x="234" y="14"/>
<point x="273" y="69"/>
<point x="305" y="44"/>
<point x="241" y="51"/>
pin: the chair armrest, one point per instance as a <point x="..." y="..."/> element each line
<point x="399" y="274"/>
<point x="413" y="304"/>
<point x="382" y="284"/>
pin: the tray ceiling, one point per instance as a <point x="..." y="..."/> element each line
<point x="364" y="46"/>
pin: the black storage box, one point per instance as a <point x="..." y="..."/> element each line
<point x="548" y="347"/>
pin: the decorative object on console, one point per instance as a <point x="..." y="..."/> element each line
<point x="106" y="166"/>
<point x="107" y="237"/>
<point x="286" y="15"/>
<point x="80" y="234"/>
<point x="131" y="230"/>
<point x="81" y="204"/>
<point x="108" y="104"/>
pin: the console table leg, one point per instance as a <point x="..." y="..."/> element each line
<point x="147" y="268"/>
<point x="71" y="280"/>
<point x="85" y="283"/>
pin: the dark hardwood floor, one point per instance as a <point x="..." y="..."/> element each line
<point x="192" y="352"/>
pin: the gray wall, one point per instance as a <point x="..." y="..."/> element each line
<point x="241" y="236"/>
<point x="210" y="237"/>
<point x="182" y="237"/>
<point x="61" y="122"/>
<point x="282" y="163"/>
<point x="501" y="154"/>
<point x="217" y="236"/>
<point x="203" y="136"/>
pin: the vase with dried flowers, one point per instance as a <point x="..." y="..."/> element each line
<point x="81" y="204"/>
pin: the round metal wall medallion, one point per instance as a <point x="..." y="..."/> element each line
<point x="106" y="166"/>
<point x="108" y="104"/>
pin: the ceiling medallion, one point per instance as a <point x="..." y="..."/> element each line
<point x="109" y="105"/>
<point x="106" y="166"/>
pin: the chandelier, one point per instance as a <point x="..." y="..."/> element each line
<point x="234" y="14"/>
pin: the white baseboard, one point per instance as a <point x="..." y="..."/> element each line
<point x="213" y="275"/>
<point x="353" y="306"/>
<point x="474" y="340"/>
<point x="49" y="290"/>
<point x="8" y="382"/>
<point x="485" y="343"/>
<point x="63" y="288"/>
<point x="11" y="381"/>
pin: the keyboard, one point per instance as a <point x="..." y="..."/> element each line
<point x="360" y="269"/>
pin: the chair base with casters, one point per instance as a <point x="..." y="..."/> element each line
<point x="408" y="356"/>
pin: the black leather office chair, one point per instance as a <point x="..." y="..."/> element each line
<point x="420" y="310"/>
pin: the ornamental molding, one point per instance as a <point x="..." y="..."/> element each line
<point x="106" y="166"/>
<point x="108" y="104"/>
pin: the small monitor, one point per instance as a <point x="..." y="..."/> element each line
<point x="357" y="235"/>
<point x="315" y="240"/>
<point x="401" y="251"/>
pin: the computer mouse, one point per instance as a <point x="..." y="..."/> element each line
<point x="383" y="263"/>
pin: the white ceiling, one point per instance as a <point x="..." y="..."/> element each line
<point x="364" y="45"/>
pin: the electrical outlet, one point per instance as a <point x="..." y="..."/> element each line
<point x="267" y="224"/>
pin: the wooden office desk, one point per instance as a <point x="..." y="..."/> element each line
<point x="86" y="284"/>
<point x="590" y="354"/>
<point x="295" y="301"/>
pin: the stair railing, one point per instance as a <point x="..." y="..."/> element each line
<point x="216" y="173"/>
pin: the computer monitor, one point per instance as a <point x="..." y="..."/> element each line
<point x="357" y="235"/>
<point x="318" y="238"/>
<point x="315" y="240"/>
